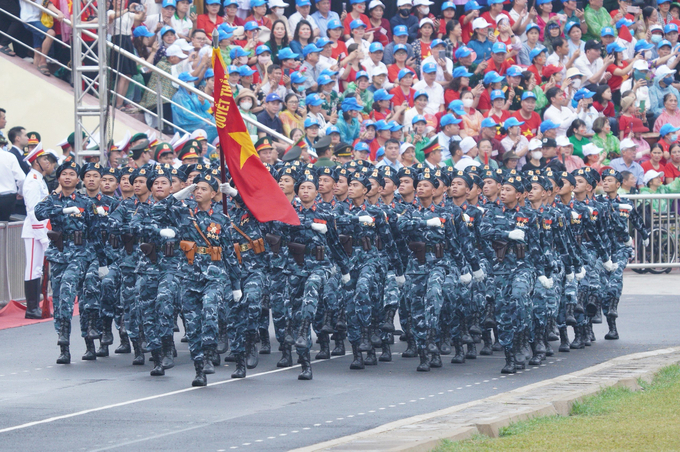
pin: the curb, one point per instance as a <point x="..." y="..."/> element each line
<point x="487" y="416"/>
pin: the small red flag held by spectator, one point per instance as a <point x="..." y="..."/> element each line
<point x="257" y="187"/>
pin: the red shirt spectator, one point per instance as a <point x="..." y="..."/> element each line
<point x="393" y="72"/>
<point x="484" y="103"/>
<point x="399" y="96"/>
<point x="648" y="166"/>
<point x="467" y="29"/>
<point x="616" y="81"/>
<point x="502" y="69"/>
<point x="264" y="22"/>
<point x="530" y="127"/>
<point x="348" y="20"/>
<point x="671" y="171"/>
<point x="339" y="50"/>
<point x="609" y="111"/>
<point x="204" y="23"/>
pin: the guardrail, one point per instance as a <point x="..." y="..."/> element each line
<point x="161" y="99"/>
<point x="12" y="262"/>
<point x="661" y="215"/>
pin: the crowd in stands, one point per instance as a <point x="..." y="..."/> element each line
<point x="511" y="84"/>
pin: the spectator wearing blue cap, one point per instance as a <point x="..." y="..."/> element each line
<point x="434" y="90"/>
<point x="572" y="34"/>
<point x="444" y="65"/>
<point x="492" y="81"/>
<point x="310" y="67"/>
<point x="381" y="106"/>
<point x="313" y="103"/>
<point x="270" y="117"/>
<point x="323" y="15"/>
<point x="514" y="141"/>
<point x="359" y="37"/>
<point x="557" y="112"/>
<point x="418" y="135"/>
<point x="403" y="92"/>
<point x="531" y="44"/>
<point x="357" y="8"/>
<point x="405" y="18"/>
<point x="619" y="69"/>
<point x="211" y="18"/>
<point x="250" y="40"/>
<point x="303" y="8"/>
<point x="597" y="17"/>
<point x="400" y="64"/>
<point x="373" y="61"/>
<point x="527" y="115"/>
<point x="399" y="36"/>
<point x="194" y="113"/>
<point x="450" y="132"/>
<point x="488" y="131"/>
<point x="422" y="45"/>
<point x="420" y="101"/>
<point x="348" y="124"/>
<point x="181" y="20"/>
<point x="500" y="109"/>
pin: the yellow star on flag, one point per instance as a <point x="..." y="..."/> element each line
<point x="247" y="147"/>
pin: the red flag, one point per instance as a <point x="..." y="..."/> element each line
<point x="257" y="187"/>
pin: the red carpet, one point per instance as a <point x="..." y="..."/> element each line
<point x="12" y="316"/>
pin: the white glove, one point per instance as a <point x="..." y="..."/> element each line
<point x="645" y="242"/>
<point x="401" y="280"/>
<point x="574" y="215"/>
<point x="478" y="275"/>
<point x="466" y="218"/>
<point x="630" y="241"/>
<point x="101" y="211"/>
<point x="185" y="192"/>
<point x="366" y="219"/>
<point x="591" y="209"/>
<point x="625" y="207"/>
<point x="516" y="234"/>
<point x="610" y="266"/>
<point x="45" y="243"/>
<point x="318" y="227"/>
<point x="482" y="209"/>
<point x="345" y="278"/>
<point x="545" y="281"/>
<point x="167" y="233"/>
<point x="70" y="210"/>
<point x="580" y="275"/>
<point x="228" y="190"/>
<point x="570" y="277"/>
<point x="237" y="295"/>
<point x="103" y="271"/>
<point x="466" y="278"/>
<point x="434" y="222"/>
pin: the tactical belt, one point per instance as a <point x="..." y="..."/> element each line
<point x="76" y="238"/>
<point x="204" y="249"/>
<point x="437" y="249"/>
<point x="244" y="247"/>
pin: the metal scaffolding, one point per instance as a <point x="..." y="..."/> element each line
<point x="89" y="73"/>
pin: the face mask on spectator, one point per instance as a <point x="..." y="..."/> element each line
<point x="405" y="12"/>
<point x="656" y="38"/>
<point x="424" y="10"/>
<point x="674" y="137"/>
<point x="264" y="59"/>
<point x="246" y="105"/>
<point x="576" y="83"/>
<point x="536" y="155"/>
<point x="467" y="103"/>
<point x="639" y="75"/>
<point x="279" y="11"/>
<point x="668" y="81"/>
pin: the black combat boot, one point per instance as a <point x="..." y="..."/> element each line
<point x="138" y="360"/>
<point x="102" y="351"/>
<point x="551" y="331"/>
<point x="32" y="292"/>
<point x="613" y="333"/>
<point x="489" y="315"/>
<point x="157" y="359"/>
<point x="107" y="333"/>
<point x="184" y="324"/>
<point x="301" y="341"/>
<point x="577" y="343"/>
<point x="517" y="349"/>
<point x="199" y="379"/>
<point x="488" y="342"/>
<point x="306" y="364"/>
<point x="168" y="362"/>
<point x="386" y="355"/>
<point x="464" y="333"/>
<point x="286" y="356"/>
<point x="240" y="371"/>
<point x="124" y="346"/>
<point x="471" y="351"/>
<point x="92" y="332"/>
<point x="90" y="352"/>
<point x="435" y="360"/>
<point x="326" y="323"/>
<point x="175" y="325"/>
<point x="424" y="365"/>
<point x="431" y="341"/>
<point x="445" y="342"/>
<point x="473" y="321"/>
<point x="388" y="324"/>
<point x="64" y="333"/>
<point x="341" y="321"/>
<point x="339" y="349"/>
<point x="371" y="359"/>
<point x="597" y="318"/>
<point x="410" y="351"/>
<point x="564" y="340"/>
<point x="288" y="338"/>
<point x="64" y="356"/>
<point x="585" y="334"/>
<point x="208" y="366"/>
<point x="613" y="308"/>
<point x="358" y="362"/>
<point x="496" y="347"/>
<point x="538" y="348"/>
<point x="510" y="365"/>
<point x="365" y="344"/>
<point x="266" y="346"/>
<point x="580" y="302"/>
<point x="591" y="306"/>
<point x="325" y="347"/>
<point x="252" y="358"/>
<point x="222" y="338"/>
<point x="570" y="319"/>
<point x="459" y="357"/>
<point x="548" y="348"/>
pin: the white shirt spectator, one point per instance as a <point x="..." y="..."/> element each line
<point x="435" y="95"/>
<point x="563" y="117"/>
<point x="122" y="25"/>
<point x="573" y="47"/>
<point x="280" y="90"/>
<point x="555" y="60"/>
<point x="440" y="71"/>
<point x="182" y="26"/>
<point x="11" y="175"/>
<point x="586" y="67"/>
<point x="297" y="17"/>
<point x="445" y="142"/>
<point x="322" y="122"/>
<point x="29" y="13"/>
<point x="363" y="45"/>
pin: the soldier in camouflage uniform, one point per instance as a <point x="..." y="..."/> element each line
<point x="514" y="231"/>
<point x="75" y="224"/>
<point x="210" y="271"/>
<point x="622" y="213"/>
<point x="430" y="231"/>
<point x="313" y="248"/>
<point x="120" y="224"/>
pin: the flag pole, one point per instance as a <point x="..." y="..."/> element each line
<point x="223" y="173"/>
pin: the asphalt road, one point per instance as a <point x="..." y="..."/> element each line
<point x="110" y="404"/>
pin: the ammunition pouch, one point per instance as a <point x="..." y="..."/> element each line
<point x="418" y="249"/>
<point x="189" y="249"/>
<point x="297" y="250"/>
<point x="500" y="247"/>
<point x="366" y="243"/>
<point x="114" y="240"/>
<point x="169" y="249"/>
<point x="346" y="242"/>
<point x="274" y="242"/>
<point x="128" y="242"/>
<point x="379" y="243"/>
<point x="78" y="238"/>
<point x="149" y="250"/>
<point x="57" y="239"/>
